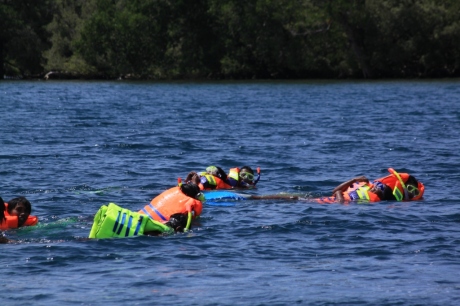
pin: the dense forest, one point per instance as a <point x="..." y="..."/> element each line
<point x="230" y="39"/>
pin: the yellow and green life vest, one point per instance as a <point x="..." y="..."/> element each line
<point x="112" y="221"/>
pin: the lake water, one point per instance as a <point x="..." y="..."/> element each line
<point x="70" y="147"/>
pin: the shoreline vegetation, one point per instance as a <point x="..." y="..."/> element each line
<point x="229" y="39"/>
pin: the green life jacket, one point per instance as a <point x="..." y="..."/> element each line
<point x="114" y="221"/>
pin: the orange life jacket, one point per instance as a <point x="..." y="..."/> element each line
<point x="394" y="183"/>
<point x="170" y="202"/>
<point x="214" y="183"/>
<point x="12" y="221"/>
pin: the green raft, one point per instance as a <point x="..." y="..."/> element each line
<point x="112" y="221"/>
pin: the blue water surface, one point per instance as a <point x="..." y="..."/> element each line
<point x="70" y="147"/>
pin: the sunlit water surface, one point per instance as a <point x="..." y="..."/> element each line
<point x="71" y="147"/>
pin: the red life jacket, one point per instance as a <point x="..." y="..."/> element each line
<point x="170" y="202"/>
<point x="394" y="183"/>
<point x="12" y="221"/>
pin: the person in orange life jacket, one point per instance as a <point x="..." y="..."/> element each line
<point x="213" y="178"/>
<point x="19" y="207"/>
<point x="377" y="191"/>
<point x="405" y="187"/>
<point x="185" y="199"/>
<point x="381" y="191"/>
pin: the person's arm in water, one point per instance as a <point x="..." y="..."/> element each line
<point x="339" y="190"/>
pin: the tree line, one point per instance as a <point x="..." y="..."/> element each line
<point x="230" y="39"/>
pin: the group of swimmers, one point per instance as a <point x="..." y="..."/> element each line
<point x="174" y="209"/>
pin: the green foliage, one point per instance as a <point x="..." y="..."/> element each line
<point x="418" y="38"/>
<point x="68" y="19"/>
<point x="266" y="38"/>
<point x="164" y="39"/>
<point x="125" y="37"/>
<point x="22" y="36"/>
<point x="394" y="38"/>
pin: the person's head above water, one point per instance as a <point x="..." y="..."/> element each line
<point x="385" y="192"/>
<point x="192" y="190"/>
<point x="216" y="171"/>
<point x="177" y="222"/>
<point x="21" y="208"/>
<point x="412" y="187"/>
<point x="246" y="175"/>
